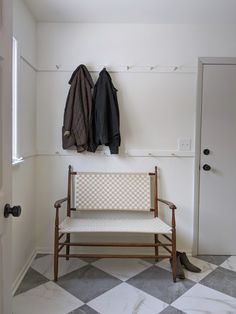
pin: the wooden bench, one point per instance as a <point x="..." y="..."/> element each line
<point x="114" y="203"/>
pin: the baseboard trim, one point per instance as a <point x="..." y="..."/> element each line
<point x="23" y="271"/>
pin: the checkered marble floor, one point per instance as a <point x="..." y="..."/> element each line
<point x="127" y="286"/>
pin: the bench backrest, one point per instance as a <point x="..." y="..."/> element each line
<point x="112" y="191"/>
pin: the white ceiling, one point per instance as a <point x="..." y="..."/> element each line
<point x="134" y="11"/>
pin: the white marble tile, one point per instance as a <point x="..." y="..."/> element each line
<point x="165" y="264"/>
<point x="126" y="299"/>
<point x="122" y="268"/>
<point x="200" y="299"/>
<point x="230" y="263"/>
<point x="203" y="265"/>
<point x="44" y="265"/>
<point x="48" y="298"/>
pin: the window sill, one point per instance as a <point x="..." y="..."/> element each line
<point x="17" y="161"/>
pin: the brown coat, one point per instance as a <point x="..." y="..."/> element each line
<point x="78" y="110"/>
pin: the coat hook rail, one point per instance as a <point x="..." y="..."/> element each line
<point x="124" y="68"/>
<point x="116" y="68"/>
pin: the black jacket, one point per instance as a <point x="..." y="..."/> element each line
<point x="105" y="125"/>
<point x="78" y="110"/>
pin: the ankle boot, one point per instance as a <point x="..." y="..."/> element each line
<point x="179" y="268"/>
<point x="187" y="264"/>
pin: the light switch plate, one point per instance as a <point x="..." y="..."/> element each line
<point x="184" y="144"/>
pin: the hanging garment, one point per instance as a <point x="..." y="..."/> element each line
<point x="78" y="110"/>
<point x="105" y="120"/>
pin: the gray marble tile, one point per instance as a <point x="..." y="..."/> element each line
<point x="150" y="260"/>
<point x="31" y="280"/>
<point x="213" y="259"/>
<point x="89" y="260"/>
<point x="171" y="310"/>
<point x="44" y="265"/>
<point x="85" y="309"/>
<point x="222" y="280"/>
<point x="230" y="263"/>
<point x="87" y="282"/>
<point x="41" y="255"/>
<point x="158" y="283"/>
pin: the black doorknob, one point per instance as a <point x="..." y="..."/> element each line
<point x="206" y="167"/>
<point x="15" y="211"/>
<point x="206" y="151"/>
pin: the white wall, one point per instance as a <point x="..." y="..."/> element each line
<point x="24" y="30"/>
<point x="156" y="109"/>
<point x="23" y="230"/>
<point x="131" y="44"/>
<point x="149" y="106"/>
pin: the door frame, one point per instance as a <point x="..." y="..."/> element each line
<point x="198" y="127"/>
<point x="6" y="158"/>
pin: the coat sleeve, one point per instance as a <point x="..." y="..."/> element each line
<point x="92" y="145"/>
<point x="114" y="121"/>
<point x="68" y="139"/>
<point x="68" y="113"/>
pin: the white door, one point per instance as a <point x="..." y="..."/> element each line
<point x="217" y="205"/>
<point x="5" y="153"/>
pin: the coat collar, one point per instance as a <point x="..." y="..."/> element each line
<point x="83" y="68"/>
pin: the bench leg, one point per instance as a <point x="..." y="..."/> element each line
<point x="56" y="240"/>
<point x="174" y="263"/>
<point x="67" y="247"/>
<point x="156" y="247"/>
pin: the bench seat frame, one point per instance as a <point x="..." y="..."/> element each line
<point x="169" y="245"/>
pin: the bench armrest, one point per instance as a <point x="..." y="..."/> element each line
<point x="171" y="205"/>
<point x="59" y="202"/>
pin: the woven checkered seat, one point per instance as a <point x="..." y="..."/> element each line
<point x="113" y="203"/>
<point x="114" y="221"/>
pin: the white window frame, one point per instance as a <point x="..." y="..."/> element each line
<point x="15" y="143"/>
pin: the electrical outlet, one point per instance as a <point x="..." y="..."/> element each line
<point x="184" y="144"/>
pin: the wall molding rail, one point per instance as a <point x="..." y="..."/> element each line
<point x="127" y="153"/>
<point x="123" y="68"/>
<point x="29" y="63"/>
<point x="116" y="68"/>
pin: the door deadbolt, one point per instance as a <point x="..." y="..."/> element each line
<point x="206" y="151"/>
